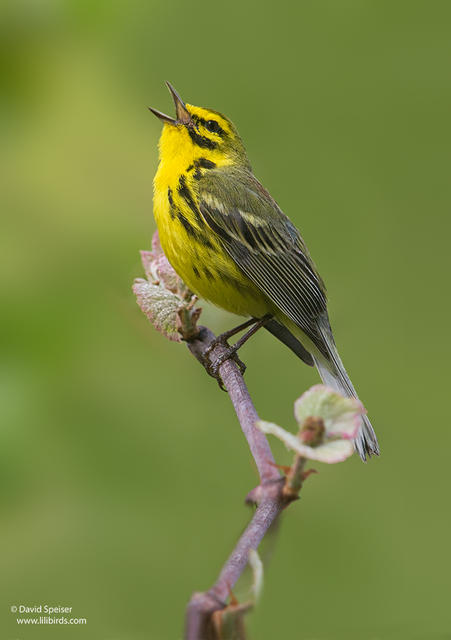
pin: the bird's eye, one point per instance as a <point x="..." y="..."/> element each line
<point x="213" y="126"/>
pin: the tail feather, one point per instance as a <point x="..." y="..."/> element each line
<point x="334" y="375"/>
<point x="284" y="335"/>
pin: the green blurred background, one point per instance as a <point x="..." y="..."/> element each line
<point x="122" y="468"/>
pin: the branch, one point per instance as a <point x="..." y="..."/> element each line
<point x="269" y="495"/>
<point x="242" y="403"/>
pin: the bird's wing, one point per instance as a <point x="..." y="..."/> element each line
<point x="265" y="245"/>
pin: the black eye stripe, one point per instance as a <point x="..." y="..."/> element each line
<point x="214" y="127"/>
<point x="210" y="125"/>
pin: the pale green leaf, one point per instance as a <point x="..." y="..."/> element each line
<point x="331" y="451"/>
<point x="341" y="416"/>
<point x="160" y="306"/>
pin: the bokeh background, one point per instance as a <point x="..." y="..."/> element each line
<point x="122" y="468"/>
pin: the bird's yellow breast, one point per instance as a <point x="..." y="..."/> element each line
<point x="191" y="247"/>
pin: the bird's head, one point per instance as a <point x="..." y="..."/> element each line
<point x="197" y="132"/>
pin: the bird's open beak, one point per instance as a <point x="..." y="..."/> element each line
<point x="183" y="116"/>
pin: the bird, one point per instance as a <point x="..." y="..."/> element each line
<point x="232" y="245"/>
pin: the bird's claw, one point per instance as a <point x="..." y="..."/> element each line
<point x="212" y="367"/>
<point x="230" y="352"/>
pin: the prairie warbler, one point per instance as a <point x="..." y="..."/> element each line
<point x="232" y="245"/>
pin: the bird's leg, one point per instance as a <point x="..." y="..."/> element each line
<point x="231" y="353"/>
<point x="223" y="337"/>
<point x="257" y="324"/>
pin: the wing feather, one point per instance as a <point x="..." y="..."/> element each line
<point x="265" y="245"/>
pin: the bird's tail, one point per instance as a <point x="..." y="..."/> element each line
<point x="334" y="375"/>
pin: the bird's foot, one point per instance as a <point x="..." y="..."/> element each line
<point x="230" y="352"/>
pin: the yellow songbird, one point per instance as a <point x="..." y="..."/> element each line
<point x="232" y="245"/>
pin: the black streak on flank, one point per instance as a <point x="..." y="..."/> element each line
<point x="184" y="191"/>
<point x="201" y="141"/>
<point x="196" y="272"/>
<point x="208" y="274"/>
<point x="205" y="241"/>
<point x="191" y="231"/>
<point x="171" y="203"/>
<point x="200" y="237"/>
